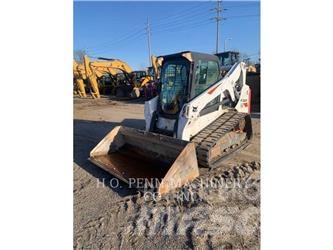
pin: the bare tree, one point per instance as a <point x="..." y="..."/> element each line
<point x="78" y="55"/>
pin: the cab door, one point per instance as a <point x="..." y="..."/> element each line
<point x="206" y="73"/>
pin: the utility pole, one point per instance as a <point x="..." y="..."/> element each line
<point x="218" y="19"/>
<point x="148" y="34"/>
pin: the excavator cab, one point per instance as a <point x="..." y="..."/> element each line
<point x="139" y="74"/>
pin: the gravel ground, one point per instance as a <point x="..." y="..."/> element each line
<point x="219" y="210"/>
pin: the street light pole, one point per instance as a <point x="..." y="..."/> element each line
<point x="148" y="34"/>
<point x="225" y="43"/>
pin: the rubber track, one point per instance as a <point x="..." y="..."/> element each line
<point x="207" y="138"/>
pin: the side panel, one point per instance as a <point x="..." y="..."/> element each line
<point x="187" y="128"/>
<point x="149" y="108"/>
<point x="244" y="103"/>
<point x="190" y="120"/>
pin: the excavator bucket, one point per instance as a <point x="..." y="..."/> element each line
<point x="141" y="158"/>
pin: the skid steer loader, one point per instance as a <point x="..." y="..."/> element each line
<point x="197" y="119"/>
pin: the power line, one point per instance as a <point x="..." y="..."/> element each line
<point x="130" y="34"/>
<point x="182" y="18"/>
<point x="190" y="18"/>
<point x="141" y="33"/>
<point x="181" y="13"/>
<point x="252" y="15"/>
<point x="181" y="28"/>
<point x="135" y="30"/>
<point x="253" y="4"/>
<point x="129" y="37"/>
<point x="108" y="48"/>
<point x="125" y="37"/>
<point x="181" y="24"/>
<point x="189" y="25"/>
<point x="199" y="16"/>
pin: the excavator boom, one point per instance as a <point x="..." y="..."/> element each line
<point x="91" y="77"/>
<point x="79" y="76"/>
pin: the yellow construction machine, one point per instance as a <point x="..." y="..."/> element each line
<point x="96" y="74"/>
<point x="156" y="66"/>
<point x="197" y="119"/>
<point x="106" y="70"/>
<point x="111" y="76"/>
<point x="79" y="77"/>
<point x="133" y="83"/>
<point x="126" y="86"/>
<point x="83" y="73"/>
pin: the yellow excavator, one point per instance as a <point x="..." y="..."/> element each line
<point x="94" y="74"/>
<point x="128" y="86"/>
<point x="109" y="67"/>
<point x="84" y="73"/>
<point x="97" y="73"/>
<point x="130" y="82"/>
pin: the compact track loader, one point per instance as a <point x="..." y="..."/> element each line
<point x="196" y="120"/>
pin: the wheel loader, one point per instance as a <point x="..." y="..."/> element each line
<point x="197" y="119"/>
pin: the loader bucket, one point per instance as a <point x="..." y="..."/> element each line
<point x="141" y="158"/>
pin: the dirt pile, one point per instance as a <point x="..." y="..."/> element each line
<point x="220" y="209"/>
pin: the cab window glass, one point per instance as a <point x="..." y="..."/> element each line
<point x="174" y="81"/>
<point x="206" y="74"/>
<point x="212" y="72"/>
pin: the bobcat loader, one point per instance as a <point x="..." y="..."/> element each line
<point x="197" y="119"/>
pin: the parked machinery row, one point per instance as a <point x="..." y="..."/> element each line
<point x="113" y="77"/>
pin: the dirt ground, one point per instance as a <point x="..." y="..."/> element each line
<point x="219" y="210"/>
